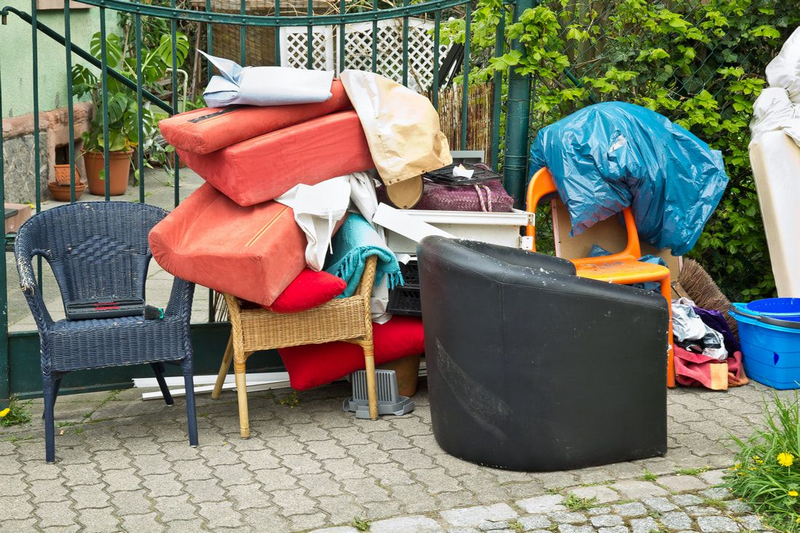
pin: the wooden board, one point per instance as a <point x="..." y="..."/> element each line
<point x="44" y="5"/>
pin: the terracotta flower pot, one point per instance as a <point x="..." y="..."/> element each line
<point x="63" y="175"/>
<point x="119" y="167"/>
<point x="60" y="193"/>
<point x="407" y="372"/>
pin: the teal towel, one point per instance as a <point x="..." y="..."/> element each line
<point x="355" y="241"/>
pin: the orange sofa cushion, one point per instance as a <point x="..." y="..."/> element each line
<point x="207" y="130"/>
<point x="251" y="252"/>
<point x="265" y="167"/>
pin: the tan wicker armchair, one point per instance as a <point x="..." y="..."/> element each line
<point x="341" y="319"/>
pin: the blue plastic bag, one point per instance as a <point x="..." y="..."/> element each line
<point x="613" y="155"/>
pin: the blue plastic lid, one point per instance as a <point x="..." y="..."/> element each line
<point x="775" y="307"/>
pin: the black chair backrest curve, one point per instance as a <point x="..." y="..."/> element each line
<point x="95" y="249"/>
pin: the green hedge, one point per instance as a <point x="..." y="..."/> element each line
<point x="699" y="62"/>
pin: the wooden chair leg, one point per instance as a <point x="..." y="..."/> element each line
<point x="224" y="368"/>
<point x="241" y="393"/>
<point x="372" y="390"/>
<point x="666" y="292"/>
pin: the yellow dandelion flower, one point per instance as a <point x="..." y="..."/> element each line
<point x="792" y="493"/>
<point x="737" y="466"/>
<point x="4" y="412"/>
<point x="785" y="459"/>
<point x="798" y="520"/>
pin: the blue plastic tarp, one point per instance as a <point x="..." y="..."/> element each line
<point x="613" y="155"/>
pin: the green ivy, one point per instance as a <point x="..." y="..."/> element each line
<point x="698" y="62"/>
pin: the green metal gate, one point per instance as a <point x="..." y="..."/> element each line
<point x="19" y="361"/>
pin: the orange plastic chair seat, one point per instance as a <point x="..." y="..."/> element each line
<point x="621" y="272"/>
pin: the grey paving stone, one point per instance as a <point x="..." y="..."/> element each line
<point x="365" y="490"/>
<point x="55" y="514"/>
<point x="220" y="514"/>
<point x="141" y="522"/>
<point x="676" y="520"/>
<point x="408" y="524"/>
<point x="463" y="530"/>
<point x="702" y="510"/>
<point x="615" y="529"/>
<point x="90" y="496"/>
<point x="98" y="520"/>
<point x="534" y="522"/>
<point x="662" y="505"/>
<point x="542" y="504"/>
<point x="713" y="477"/>
<point x="207" y="490"/>
<point x="738" y="507"/>
<point x="337" y="529"/>
<point x="600" y="493"/>
<point x="173" y="508"/>
<point x="606" y="520"/>
<point x="685" y="500"/>
<point x="474" y="516"/>
<point x="47" y="490"/>
<point x="630" y="509"/>
<point x="186" y="526"/>
<point x="130" y="502"/>
<point x="564" y="517"/>
<point x="682" y="483"/>
<point x="16" y="507"/>
<point x="302" y="522"/>
<point x="752" y="523"/>
<point x="717" y="524"/>
<point x="293" y="502"/>
<point x="569" y="528"/>
<point x="717" y="493"/>
<point x="635" y="490"/>
<point x="643" y="525"/>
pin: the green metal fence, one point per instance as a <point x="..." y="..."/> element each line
<point x="117" y="71"/>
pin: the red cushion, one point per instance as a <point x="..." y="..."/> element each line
<point x="265" y="167"/>
<point x="317" y="364"/>
<point x="251" y="252"/>
<point x="207" y="130"/>
<point x="309" y="289"/>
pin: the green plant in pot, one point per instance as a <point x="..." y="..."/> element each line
<point x="122" y="108"/>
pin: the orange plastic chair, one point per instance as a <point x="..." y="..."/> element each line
<point x="623" y="268"/>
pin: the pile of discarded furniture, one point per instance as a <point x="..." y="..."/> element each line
<point x="528" y="356"/>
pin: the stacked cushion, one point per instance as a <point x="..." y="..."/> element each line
<point x="251" y="252"/>
<point x="264" y="167"/>
<point x="207" y="130"/>
<point x="309" y="289"/>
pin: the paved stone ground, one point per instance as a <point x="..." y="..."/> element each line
<point x="125" y="465"/>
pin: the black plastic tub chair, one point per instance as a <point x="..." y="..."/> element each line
<point x="99" y="250"/>
<point x="533" y="368"/>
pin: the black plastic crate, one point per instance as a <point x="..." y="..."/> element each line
<point x="404" y="301"/>
<point x="410" y="273"/>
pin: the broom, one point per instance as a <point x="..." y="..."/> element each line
<point x="702" y="290"/>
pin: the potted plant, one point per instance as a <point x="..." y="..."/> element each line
<point x="123" y="111"/>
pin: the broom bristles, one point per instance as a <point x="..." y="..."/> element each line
<point x="704" y="292"/>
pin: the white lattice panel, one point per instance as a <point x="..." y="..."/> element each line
<point x="358" y="49"/>
<point x="294" y="48"/>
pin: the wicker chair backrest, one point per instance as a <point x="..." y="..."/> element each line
<point x="95" y="249"/>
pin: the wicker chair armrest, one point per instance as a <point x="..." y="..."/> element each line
<point x="367" y="278"/>
<point x="180" y="299"/>
<point x="29" y="286"/>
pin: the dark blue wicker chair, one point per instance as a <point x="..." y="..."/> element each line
<point x="100" y="250"/>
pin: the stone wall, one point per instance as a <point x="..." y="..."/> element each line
<point x="18" y="150"/>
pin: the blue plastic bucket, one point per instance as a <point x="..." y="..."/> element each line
<point x="771" y="353"/>
<point x="780" y="307"/>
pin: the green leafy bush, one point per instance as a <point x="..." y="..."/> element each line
<point x="698" y="62"/>
<point x="767" y="469"/>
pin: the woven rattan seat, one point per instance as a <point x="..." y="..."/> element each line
<point x="341" y="319"/>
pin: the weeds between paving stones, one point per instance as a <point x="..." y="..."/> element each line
<point x="361" y="524"/>
<point x="16" y="413"/>
<point x="767" y="470"/>
<point x="576" y="503"/>
<point x="649" y="476"/>
<point x="516" y="525"/>
<point x="691" y="471"/>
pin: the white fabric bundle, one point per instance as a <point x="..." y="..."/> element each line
<point x="265" y="86"/>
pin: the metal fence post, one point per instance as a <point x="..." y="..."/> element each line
<point x="5" y="361"/>
<point x="517" y="119"/>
